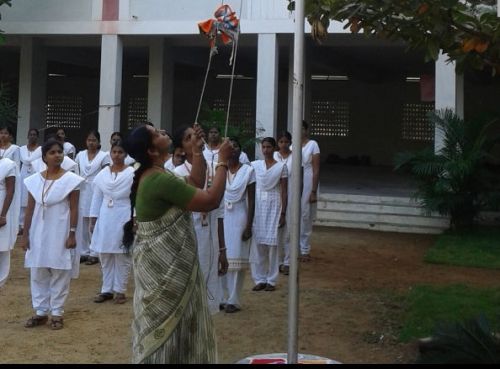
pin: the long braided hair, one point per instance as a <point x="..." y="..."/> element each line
<point x="136" y="144"/>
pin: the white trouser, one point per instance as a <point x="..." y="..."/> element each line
<point x="232" y="285"/>
<point x="49" y="290"/>
<point x="4" y="267"/>
<point x="306" y="226"/>
<point x="284" y="245"/>
<point x="266" y="267"/>
<point x="21" y="217"/>
<point x="115" y="271"/>
<point x="83" y="237"/>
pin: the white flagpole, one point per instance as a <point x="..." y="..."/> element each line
<point x="298" y="89"/>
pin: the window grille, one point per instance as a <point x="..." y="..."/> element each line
<point x="416" y="124"/>
<point x="64" y="111"/>
<point x="242" y="114"/>
<point x="137" y="111"/>
<point x="330" y="118"/>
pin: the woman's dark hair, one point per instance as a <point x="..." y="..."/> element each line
<point x="117" y="133"/>
<point x="120" y="144"/>
<point x="136" y="145"/>
<point x="285" y="134"/>
<point x="271" y="140"/>
<point x="8" y="128"/>
<point x="305" y="125"/>
<point x="95" y="133"/>
<point x="235" y="140"/>
<point x="179" y="135"/>
<point x="48" y="145"/>
<point x="34" y="130"/>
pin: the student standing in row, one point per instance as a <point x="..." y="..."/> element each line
<point x="284" y="155"/>
<point x="69" y="148"/>
<point x="210" y="257"/>
<point x="109" y="212"/>
<point x="28" y="153"/>
<point x="239" y="206"/>
<point x="90" y="162"/>
<point x="9" y="213"/>
<point x="270" y="209"/>
<point x="310" y="167"/>
<point x="8" y="149"/>
<point x="116" y="137"/>
<point x="49" y="236"/>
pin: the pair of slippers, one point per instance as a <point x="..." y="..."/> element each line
<point x="36" y="321"/>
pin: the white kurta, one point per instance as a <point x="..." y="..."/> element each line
<point x="27" y="158"/>
<point x="67" y="164"/>
<point x="8" y="233"/>
<point x="267" y="201"/>
<point x="12" y="153"/>
<point x="236" y="217"/>
<point x="50" y="223"/>
<point x="69" y="149"/>
<point x="308" y="210"/>
<point x="208" y="247"/>
<point x="284" y="233"/>
<point x="213" y="156"/>
<point x="169" y="165"/>
<point x="111" y="207"/>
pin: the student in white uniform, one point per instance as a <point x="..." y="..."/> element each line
<point x="49" y="236"/>
<point x="28" y="153"/>
<point x="177" y="158"/>
<point x="284" y="155"/>
<point x="270" y="210"/>
<point x="310" y="167"/>
<point x="115" y="137"/>
<point x="239" y="206"/>
<point x="109" y="211"/>
<point x="69" y="148"/>
<point x="211" y="254"/>
<point x="8" y="149"/>
<point x="90" y="162"/>
<point x="9" y="213"/>
<point x="211" y="150"/>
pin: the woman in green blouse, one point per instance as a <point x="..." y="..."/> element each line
<point x="172" y="323"/>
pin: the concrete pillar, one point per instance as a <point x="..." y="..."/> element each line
<point x="449" y="93"/>
<point x="161" y="84"/>
<point x="32" y="88"/>
<point x="289" y="119"/>
<point x="110" y="87"/>
<point x="267" y="87"/>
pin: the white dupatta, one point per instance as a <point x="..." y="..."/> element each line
<point x="90" y="168"/>
<point x="268" y="179"/>
<point x="115" y="188"/>
<point x="236" y="189"/>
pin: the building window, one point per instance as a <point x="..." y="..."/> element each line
<point x="137" y="111"/>
<point x="330" y="118"/>
<point x="416" y="124"/>
<point x="64" y="111"/>
<point x="242" y="114"/>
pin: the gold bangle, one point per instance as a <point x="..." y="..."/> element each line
<point x="222" y="164"/>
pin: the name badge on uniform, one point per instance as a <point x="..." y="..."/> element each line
<point x="229" y="205"/>
<point x="30" y="168"/>
<point x="110" y="203"/>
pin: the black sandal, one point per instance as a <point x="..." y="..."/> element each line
<point x="36" y="321"/>
<point x="101" y="297"/>
<point x="92" y="260"/>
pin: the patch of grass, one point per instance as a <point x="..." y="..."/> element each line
<point x="478" y="248"/>
<point x="427" y="305"/>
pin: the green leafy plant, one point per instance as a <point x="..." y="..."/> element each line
<point x="471" y="342"/>
<point x="8" y="109"/>
<point x="467" y="31"/>
<point x="243" y="131"/>
<point x="454" y="181"/>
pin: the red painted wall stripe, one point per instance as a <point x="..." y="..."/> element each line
<point x="110" y="10"/>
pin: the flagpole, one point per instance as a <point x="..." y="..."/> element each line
<point x="294" y="226"/>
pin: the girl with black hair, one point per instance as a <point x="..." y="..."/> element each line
<point x="172" y="323"/>
<point x="7" y="148"/>
<point x="90" y="162"/>
<point x="28" y="154"/>
<point x="69" y="148"/>
<point x="270" y="209"/>
<point x="109" y="212"/>
<point x="49" y="236"/>
<point x="115" y="138"/>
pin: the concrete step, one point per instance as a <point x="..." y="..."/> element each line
<point x="378" y="227"/>
<point x="379" y="208"/>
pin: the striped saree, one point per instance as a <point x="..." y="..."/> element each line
<point x="172" y="323"/>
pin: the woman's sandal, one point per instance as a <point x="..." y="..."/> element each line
<point x="101" y="297"/>
<point x="120" y="298"/>
<point x="56" y="324"/>
<point x="91" y="260"/>
<point x="36" y="321"/>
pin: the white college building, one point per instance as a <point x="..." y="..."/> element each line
<point x="109" y="64"/>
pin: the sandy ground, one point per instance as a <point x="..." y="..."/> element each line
<point x="347" y="310"/>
